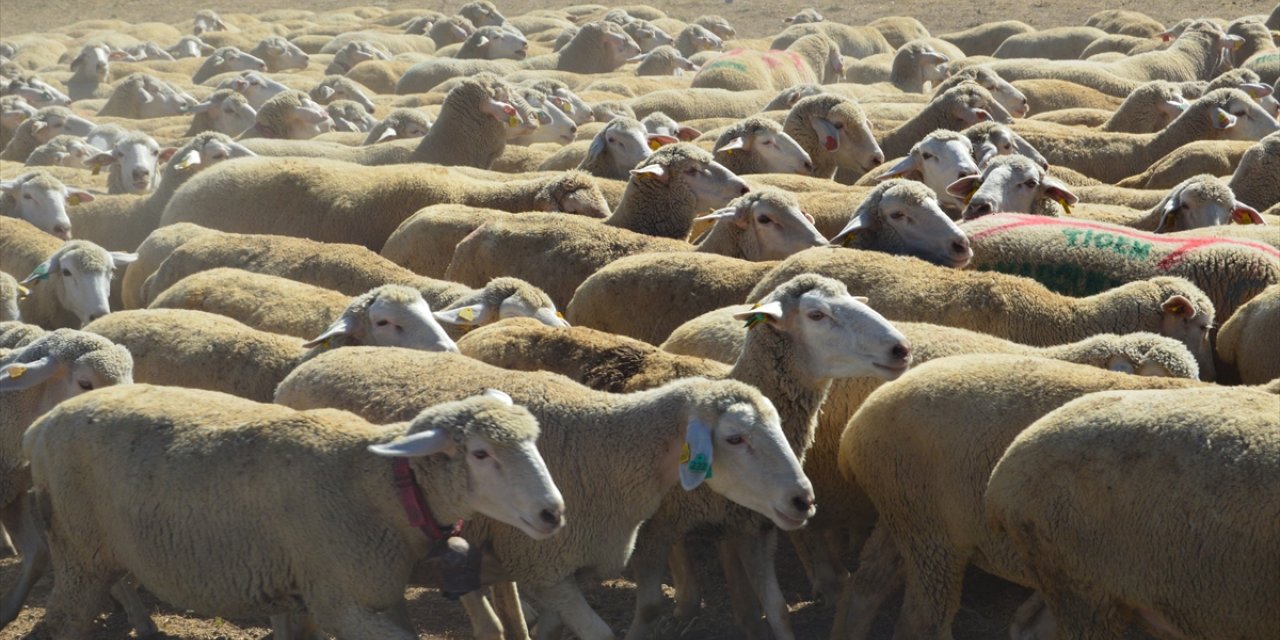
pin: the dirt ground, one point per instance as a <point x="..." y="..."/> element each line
<point x="988" y="602"/>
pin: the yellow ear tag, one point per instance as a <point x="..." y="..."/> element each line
<point x="328" y="342"/>
<point x="1223" y="120"/>
<point x="97" y="168"/>
<point x="1175" y="309"/>
<point x="972" y="190"/>
<point x="654" y="145"/>
<point x="685" y="454"/>
<point x="467" y="313"/>
<point x="184" y="165"/>
<point x="73" y="201"/>
<point x="1066" y="208"/>
<point x="560" y="315"/>
<point x="18" y="371"/>
<point x="23" y="292"/>
<point x="566" y="107"/>
<point x="1243" y="218"/>
<point x="513" y="122"/>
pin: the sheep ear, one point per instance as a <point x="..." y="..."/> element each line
<point x="1056" y="190"/>
<point x="468" y="316"/>
<point x="828" y="134"/>
<point x="1179" y="307"/>
<point x="1242" y="213"/>
<point x="8" y="186"/>
<point x="1180" y="106"/>
<point x="102" y="159"/>
<point x="933" y="57"/>
<point x="500" y="396"/>
<point x="166" y="153"/>
<point x="597" y="148"/>
<point x="769" y="311"/>
<point x="688" y="134"/>
<point x="387" y="134"/>
<point x="650" y="171"/>
<point x="1255" y="90"/>
<point x="904" y="167"/>
<point x="42" y="271"/>
<point x="502" y="112"/>
<point x="119" y="55"/>
<point x="1120" y="364"/>
<point x="657" y="141"/>
<point x="964" y="187"/>
<point x="735" y="144"/>
<point x="482" y="40"/>
<point x="1221" y="119"/>
<point x="217" y="60"/>
<point x="1166" y="36"/>
<point x="973" y="115"/>
<point x="75" y="63"/>
<point x="146" y="96"/>
<point x="1232" y="42"/>
<point x="121" y="258"/>
<point x="24" y="375"/>
<point x="1166" y="213"/>
<point x="240" y="151"/>
<point x="324" y="93"/>
<point x="189" y="159"/>
<point x="696" y="455"/>
<point x="417" y="445"/>
<point x="719" y="214"/>
<point x="863" y="219"/>
<point x="78" y="197"/>
<point x="345" y="325"/>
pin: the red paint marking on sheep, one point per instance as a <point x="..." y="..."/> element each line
<point x="1175" y="256"/>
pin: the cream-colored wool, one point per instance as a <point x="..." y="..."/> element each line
<point x="811" y="59"/>
<point x="1057" y="43"/>
<point x="984" y="39"/>
<point x="1246" y="342"/>
<point x="855" y="42"/>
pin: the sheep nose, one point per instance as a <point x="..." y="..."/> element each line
<point x="808" y="166"/>
<point x="803" y="503"/>
<point x="62" y="231"/>
<point x="141" y="173"/>
<point x="573" y="129"/>
<point x="901" y="351"/>
<point x="745" y="189"/>
<point x="552" y="517"/>
<point x="976" y="209"/>
<point x="878" y="158"/>
<point x="961" y="247"/>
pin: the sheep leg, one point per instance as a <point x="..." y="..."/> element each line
<point x="825" y="573"/>
<point x="757" y="551"/>
<point x="485" y="624"/>
<point x="506" y="599"/>
<point x="566" y="599"/>
<point x="30" y="544"/>
<point x="878" y="576"/>
<point x="354" y="621"/>
<point x="125" y="591"/>
<point x="934" y="580"/>
<point x="550" y="627"/>
<point x="647" y="564"/>
<point x="742" y="599"/>
<point x="685" y="581"/>
<point x="79" y="595"/>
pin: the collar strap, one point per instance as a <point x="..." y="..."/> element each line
<point x="415" y="505"/>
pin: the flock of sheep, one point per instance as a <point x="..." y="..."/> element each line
<point x="298" y="309"/>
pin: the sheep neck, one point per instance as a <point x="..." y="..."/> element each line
<point x="771" y="362"/>
<point x="653" y="211"/>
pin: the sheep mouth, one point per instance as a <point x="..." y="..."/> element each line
<point x="543" y="529"/>
<point x="787" y="522"/>
<point x="141" y="185"/>
<point x="521" y="54"/>
<point x="897" y="368"/>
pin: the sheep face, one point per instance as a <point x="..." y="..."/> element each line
<point x="1009" y="184"/>
<point x="158" y="99"/>
<point x="350" y="116"/>
<point x="1006" y="94"/>
<point x="353" y="54"/>
<point x="133" y="161"/>
<point x="577" y="107"/>
<point x="451" y="30"/>
<point x="619" y="45"/>
<point x="94" y="62"/>
<point x="717" y="25"/>
<point x="80" y="275"/>
<point x="50" y="124"/>
<point x="625" y="143"/>
<point x="647" y="35"/>
<point x="1203" y="201"/>
<point x="574" y="195"/>
<point x="735" y="444"/>
<point x="991" y="139"/>
<point x="41" y="200"/>
<point x="772" y="225"/>
<point x="389" y="316"/>
<point x="229" y="114"/>
<point x="1234" y="115"/>
<point x="685" y="168"/>
<point x="38" y="93"/>
<point x="805" y="16"/>
<point x="777" y="152"/>
<point x="341" y="89"/>
<point x="554" y="125"/>
<point x="503" y="298"/>
<point x="189" y="47"/>
<point x="206" y="152"/>
<point x="15" y="112"/>
<point x="255" y="87"/>
<point x="482" y="14"/>
<point x="70" y="375"/>
<point x="207" y="20"/>
<point x="933" y="66"/>
<point x="696" y="39"/>
<point x="281" y="55"/>
<point x="903" y="217"/>
<point x="307" y="120"/>
<point x="501" y="44"/>
<point x="230" y="59"/>
<point x="937" y="161"/>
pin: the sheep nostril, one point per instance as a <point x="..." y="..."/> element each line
<point x="877" y="158"/>
<point x="745" y="189"/>
<point x="802" y="503"/>
<point x="550" y="517"/>
<point x="901" y="351"/>
<point x="960" y="247"/>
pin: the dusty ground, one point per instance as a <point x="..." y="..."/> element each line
<point x="988" y="602"/>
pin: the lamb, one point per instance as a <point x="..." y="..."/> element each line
<point x="1256" y="180"/>
<point x="280" y="55"/>
<point x="226" y="60"/>
<point x="664" y="61"/>
<point x="122" y="222"/>
<point x="1193" y="449"/>
<point x="69" y="281"/>
<point x="959" y="107"/>
<point x="764" y="478"/>
<point x="315" y="198"/>
<point x="63" y="151"/>
<point x="143" y="95"/>
<point x="291" y="115"/>
<point x="855" y="42"/>
<point x="400" y="124"/>
<point x="984" y="39"/>
<point x="352" y="54"/>
<point x="224" y="111"/>
<point x="320" y="442"/>
<point x="1150" y="108"/>
<point x="833" y="130"/>
<point x="41" y="128"/>
<point x="350" y="116"/>
<point x="344" y="268"/>
<point x="1228" y="114"/>
<point x="938" y="160"/>
<point x="41" y="200"/>
<point x="35" y="378"/>
<point x="90" y="70"/>
<point x="933" y="512"/>
<point x="1058" y="43"/>
<point x="759" y="145"/>
<point x="1084" y="257"/>
<point x="1243" y="344"/>
<point x="10" y="293"/>
<point x="1011" y="183"/>
<point x="814" y="58"/>
<point x="786" y="356"/>
<point x="578" y="249"/>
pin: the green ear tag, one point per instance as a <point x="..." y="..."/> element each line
<point x="41" y="272"/>
<point x="699" y="465"/>
<point x="755" y="319"/>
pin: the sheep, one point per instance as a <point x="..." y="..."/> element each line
<point x="620" y="146"/>
<point x="647" y="35"/>
<point x="291" y="115"/>
<point x="190" y="47"/>
<point x="804" y="16"/>
<point x="833" y="130"/>
<point x="554" y="125"/>
<point x="786" y="356"/>
<point x="225" y="60"/>
<point x="694" y="39"/>
<point x="400" y="124"/>
<point x="63" y="151"/>
<point x="482" y="14"/>
<point x="391" y="43"/>
<point x="764" y="225"/>
<point x="660" y="123"/>
<point x="133" y="161"/>
<point x="1214" y="157"/>
<point x="1011" y="183"/>
<point x="10" y="293"/>
<point x="903" y="217"/>
<point x="319" y="204"/>
<point x="445" y="31"/>
<point x="13" y="112"/>
<point x="691" y="104"/>
<point x="654" y="422"/>
<point x="329" y="440"/>
<point x="35" y="91"/>
<point x="47" y="123"/>
<point x="344" y="268"/>
<point x="1196" y="203"/>
<point x="664" y="61"/>
<point x="1242" y="341"/>
<point x="90" y="70"/>
<point x="1256" y="180"/>
<point x="1193" y="449"/>
<point x="759" y="145"/>
<point x="340" y="88"/>
<point x="207" y="21"/>
<point x="597" y="47"/>
<point x="350" y="116"/>
<point x="264" y="302"/>
<point x="15" y="334"/>
<point x="717" y="25"/>
<point x="224" y="111"/>
<point x="938" y="160"/>
<point x="814" y="58"/>
<point x="899" y="30"/>
<point x="35" y="378"/>
<point x="1058" y="43"/>
<point x="1150" y="108"/>
<point x="1131" y="23"/>
<point x="914" y="64"/>
<point x="560" y="93"/>
<point x="352" y="55"/>
<point x="123" y="222"/>
<point x="1053" y="95"/>
<point x="855" y="42"/>
<point x="1076" y="257"/>
<point x="1195" y="55"/>
<point x="69" y="281"/>
<point x="493" y="43"/>
<point x="144" y="96"/>
<point x="962" y="106"/>
<point x="424" y="243"/>
<point x="280" y="55"/>
<point x="984" y="39"/>
<point x="1222" y="114"/>
<point x="931" y="523"/>
<point x="168" y="343"/>
<point x="41" y="200"/>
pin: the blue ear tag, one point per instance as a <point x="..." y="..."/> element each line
<point x="41" y="272"/>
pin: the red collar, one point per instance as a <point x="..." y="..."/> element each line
<point x="415" y="506"/>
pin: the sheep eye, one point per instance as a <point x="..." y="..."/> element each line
<point x="897" y="215"/>
<point x="816" y="315"/>
<point x="1239" y="114"/>
<point x="763" y="219"/>
<point x="480" y="454"/>
<point x="87" y="386"/>
<point x="735" y="439"/>
<point x="383" y="323"/>
<point x="1030" y="184"/>
<point x="693" y="171"/>
<point x="66" y="272"/>
<point x="26" y="196"/>
<point x="839" y="125"/>
<point x="927" y="156"/>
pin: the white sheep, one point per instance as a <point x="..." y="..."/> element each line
<point x="1011" y="183"/>
<point x="63" y="151"/>
<point x="759" y="145"/>
<point x="143" y="95"/>
<point x="224" y="60"/>
<point x="258" y="88"/>
<point x="487" y="446"/>
<point x="291" y="115"/>
<point x="41" y="200"/>
<point x="69" y="282"/>
<point x="46" y="124"/>
<point x="280" y="55"/>
<point x="400" y="124"/>
<point x="224" y="111"/>
<point x="133" y="163"/>
<point x="938" y="160"/>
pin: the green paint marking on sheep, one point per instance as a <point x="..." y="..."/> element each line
<point x="1118" y="244"/>
<point x="736" y="66"/>
<point x="1068" y="279"/>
